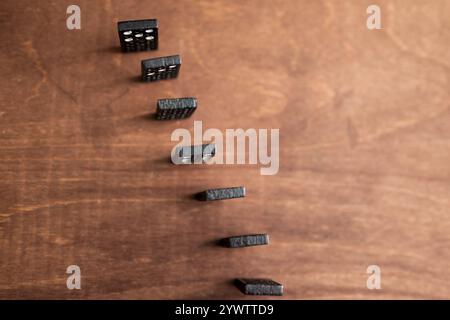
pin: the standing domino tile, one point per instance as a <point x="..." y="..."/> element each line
<point x="180" y="108"/>
<point x="245" y="241"/>
<point x="194" y="154"/>
<point x="138" y="35"/>
<point x="221" y="194"/>
<point x="160" y="68"/>
<point x="259" y="287"/>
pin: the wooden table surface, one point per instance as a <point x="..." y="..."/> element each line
<point x="364" y="179"/>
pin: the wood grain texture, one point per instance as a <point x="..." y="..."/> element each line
<point x="364" y="119"/>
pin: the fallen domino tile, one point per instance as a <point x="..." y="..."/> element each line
<point x="221" y="194"/>
<point x="259" y="287"/>
<point x="245" y="241"/>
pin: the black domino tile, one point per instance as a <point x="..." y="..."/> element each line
<point x="160" y="68"/>
<point x="138" y="35"/>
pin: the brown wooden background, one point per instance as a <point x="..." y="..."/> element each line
<point x="364" y="118"/>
